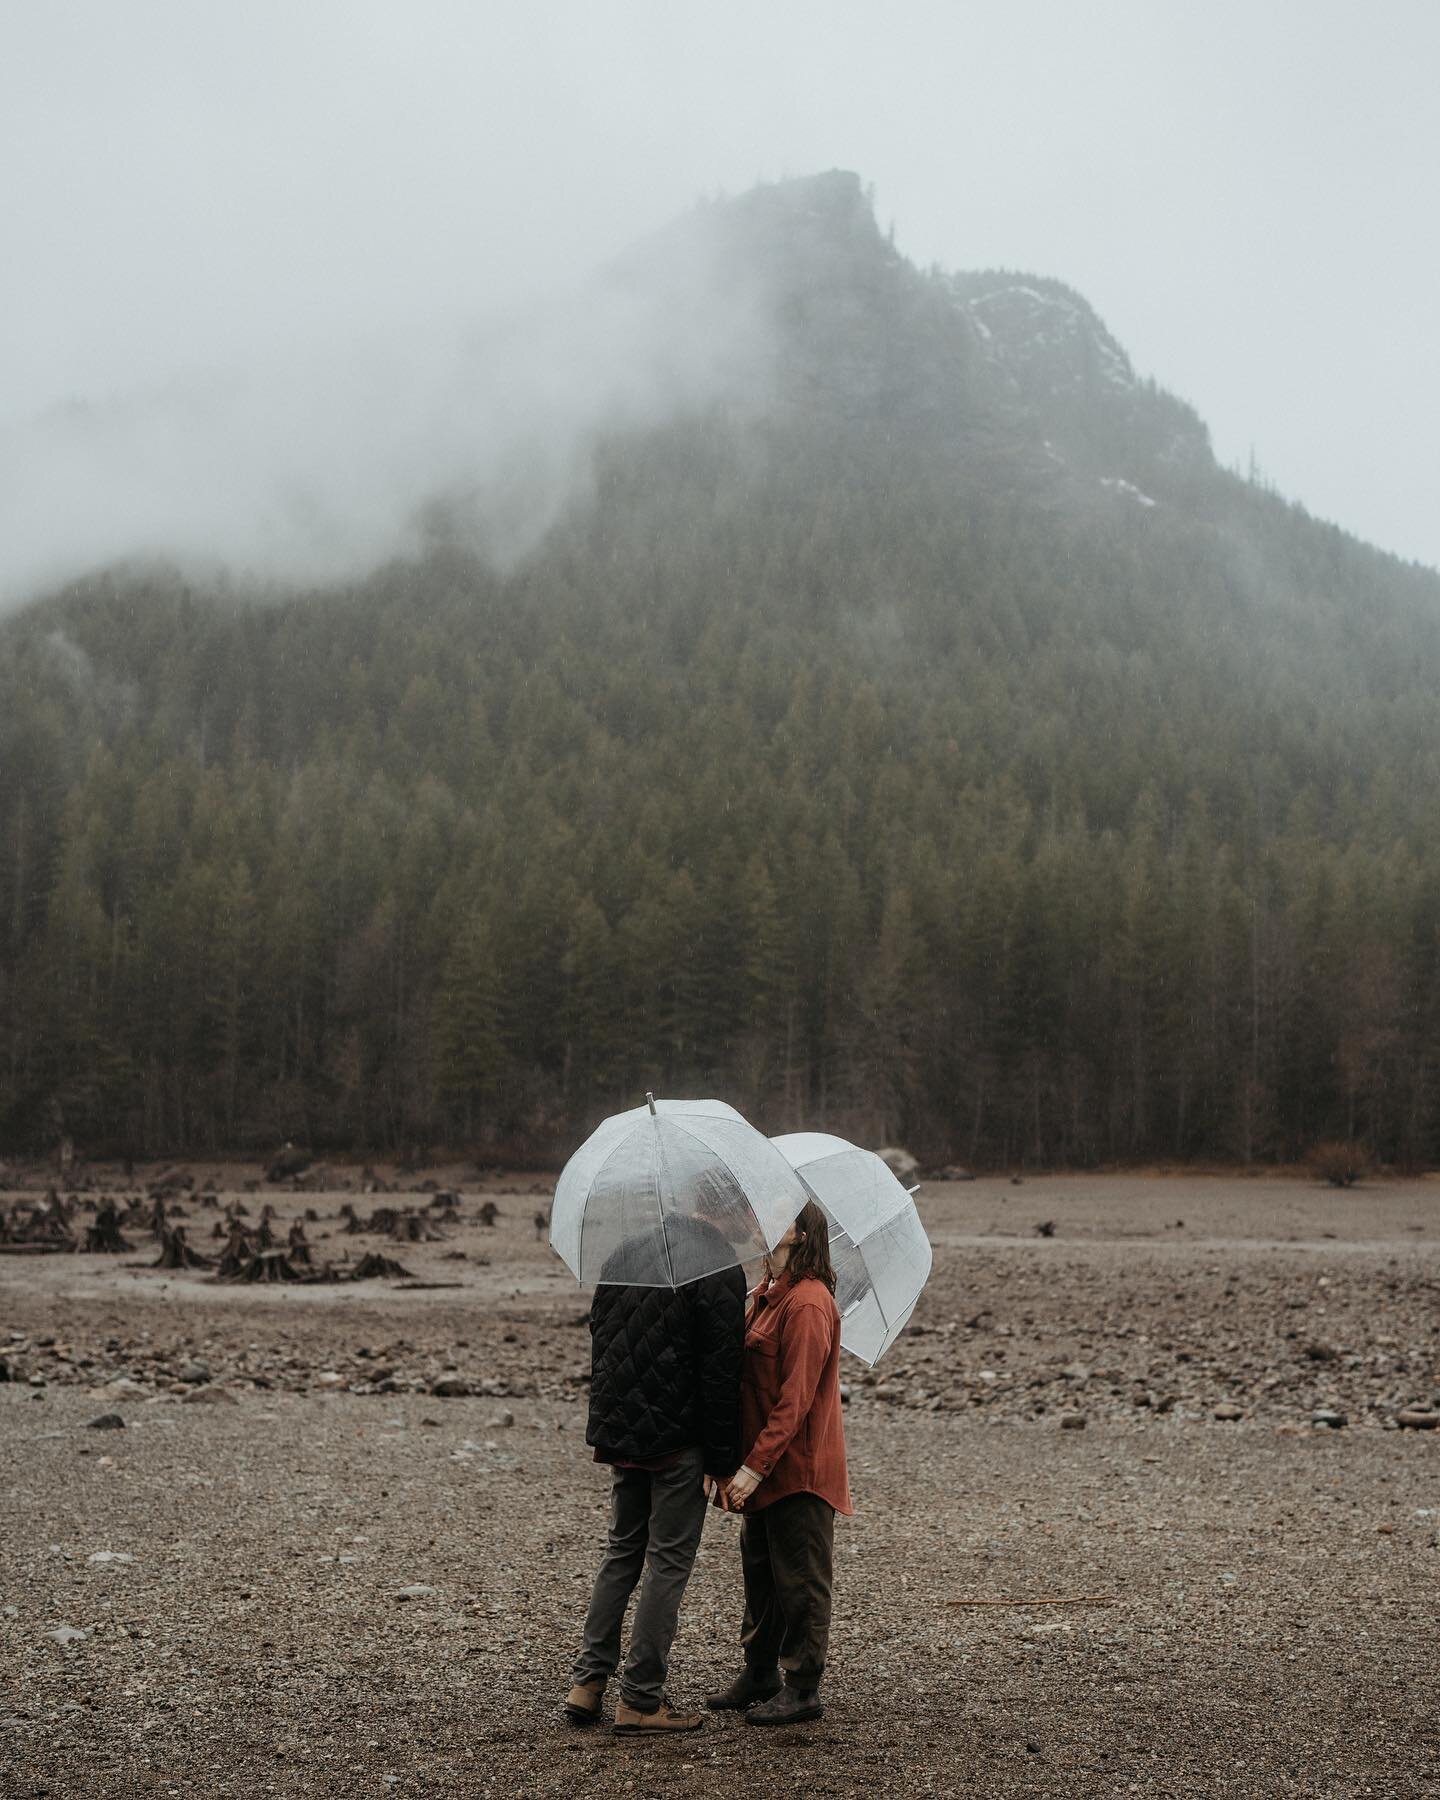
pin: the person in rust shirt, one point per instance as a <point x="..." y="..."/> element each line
<point x="793" y="1480"/>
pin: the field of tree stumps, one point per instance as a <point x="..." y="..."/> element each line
<point x="297" y="1499"/>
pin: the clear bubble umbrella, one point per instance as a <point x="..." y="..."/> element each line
<point x="669" y="1192"/>
<point x="878" y="1245"/>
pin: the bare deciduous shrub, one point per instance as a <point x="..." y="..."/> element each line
<point x="1341" y="1164"/>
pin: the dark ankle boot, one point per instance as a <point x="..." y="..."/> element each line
<point x="791" y="1706"/>
<point x="748" y="1686"/>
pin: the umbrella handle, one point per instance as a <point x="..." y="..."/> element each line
<point x="650" y="1102"/>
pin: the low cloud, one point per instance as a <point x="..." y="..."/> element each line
<point x="313" y="465"/>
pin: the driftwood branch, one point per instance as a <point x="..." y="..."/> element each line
<point x="1045" y="1600"/>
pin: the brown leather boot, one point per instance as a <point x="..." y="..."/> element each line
<point x="582" y="1703"/>
<point x="748" y="1687"/>
<point x="631" y="1722"/>
<point x="791" y="1706"/>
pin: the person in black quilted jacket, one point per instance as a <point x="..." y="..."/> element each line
<point x="665" y="1415"/>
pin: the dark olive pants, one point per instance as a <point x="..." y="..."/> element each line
<point x="787" y="1553"/>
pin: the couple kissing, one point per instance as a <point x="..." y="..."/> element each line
<point x="699" y="1396"/>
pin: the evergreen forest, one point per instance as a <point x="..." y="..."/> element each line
<point x="946" y="751"/>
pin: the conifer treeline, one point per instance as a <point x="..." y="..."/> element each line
<point x="861" y="804"/>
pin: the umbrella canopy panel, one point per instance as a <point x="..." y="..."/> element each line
<point x="878" y="1245"/>
<point x="878" y="1282"/>
<point x="659" y="1199"/>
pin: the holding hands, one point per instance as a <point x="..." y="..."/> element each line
<point x="731" y="1494"/>
<point x="742" y="1485"/>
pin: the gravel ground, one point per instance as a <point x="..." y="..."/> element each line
<point x="213" y="1599"/>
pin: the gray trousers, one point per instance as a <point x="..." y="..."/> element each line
<point x="656" y="1518"/>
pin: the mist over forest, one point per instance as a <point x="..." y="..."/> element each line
<point x="780" y="672"/>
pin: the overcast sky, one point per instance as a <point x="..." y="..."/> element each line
<point x="1246" y="190"/>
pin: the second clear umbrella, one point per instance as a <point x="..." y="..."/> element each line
<point x="878" y="1245"/>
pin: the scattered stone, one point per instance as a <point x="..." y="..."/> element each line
<point x="287" y="1162"/>
<point x="1325" y="1415"/>
<point x="210" y="1396"/>
<point x="1045" y="1229"/>
<point x="109" y="1421"/>
<point x="171" y="1181"/>
<point x="417" y="1591"/>
<point x="450" y="1387"/>
<point x="901" y="1164"/>
<point x="66" y="1635"/>
<point x="1072" y="1421"/>
<point x="1228" y="1412"/>
<point x="1414" y="1419"/>
<point x="196" y="1372"/>
<point x="109" y="1556"/>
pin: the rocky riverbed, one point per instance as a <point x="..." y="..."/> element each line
<point x="1149" y="1501"/>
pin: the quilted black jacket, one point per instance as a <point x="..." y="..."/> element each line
<point x="665" y="1367"/>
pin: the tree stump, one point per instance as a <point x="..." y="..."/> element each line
<point x="104" y="1234"/>
<point x="238" y="1253"/>
<point x="268" y="1265"/>
<point x="372" y="1266"/>
<point x="175" y="1253"/>
<point x="415" y="1228"/>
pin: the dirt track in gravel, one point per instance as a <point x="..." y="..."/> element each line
<point x="1271" y="1589"/>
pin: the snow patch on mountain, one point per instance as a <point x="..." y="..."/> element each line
<point x="1117" y="484"/>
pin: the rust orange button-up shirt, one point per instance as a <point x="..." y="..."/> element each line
<point x="790" y="1394"/>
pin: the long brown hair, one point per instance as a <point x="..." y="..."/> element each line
<point x="810" y="1253"/>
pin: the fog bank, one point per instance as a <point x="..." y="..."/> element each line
<point x="311" y="465"/>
